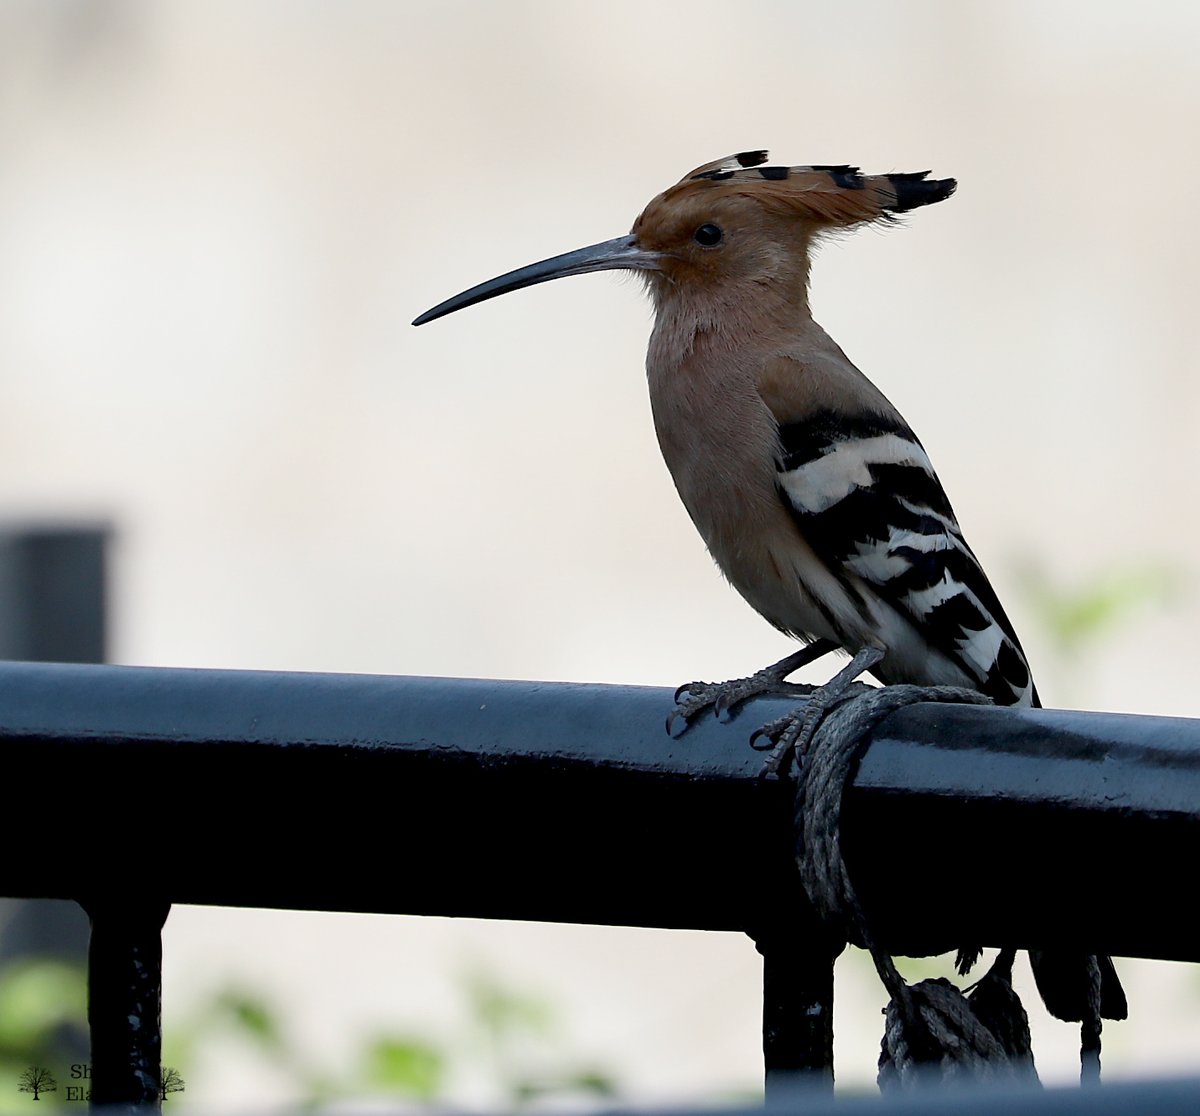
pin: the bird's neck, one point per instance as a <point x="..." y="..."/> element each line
<point x="748" y="317"/>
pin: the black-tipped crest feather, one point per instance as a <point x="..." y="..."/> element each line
<point x="915" y="189"/>
<point x="829" y="194"/>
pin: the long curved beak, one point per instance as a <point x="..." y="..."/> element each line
<point x="624" y="252"/>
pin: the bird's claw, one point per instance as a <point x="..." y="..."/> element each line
<point x="785" y="737"/>
<point x="792" y="734"/>
<point x="677" y="723"/>
<point x="691" y="699"/>
<point x="765" y="738"/>
<point x="725" y="705"/>
<point x="724" y="698"/>
<point x="694" y="698"/>
<point x="688" y="688"/>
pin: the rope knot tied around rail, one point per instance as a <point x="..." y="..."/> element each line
<point x="933" y="1032"/>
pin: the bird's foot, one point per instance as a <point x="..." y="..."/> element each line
<point x="695" y="698"/>
<point x="791" y="734"/>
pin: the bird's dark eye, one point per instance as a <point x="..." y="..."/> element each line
<point x="708" y="236"/>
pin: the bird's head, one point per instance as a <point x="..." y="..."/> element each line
<point x="728" y="226"/>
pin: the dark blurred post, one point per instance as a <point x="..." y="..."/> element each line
<point x="53" y="608"/>
<point x="52" y="593"/>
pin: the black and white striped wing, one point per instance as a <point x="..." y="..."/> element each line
<point x="868" y="502"/>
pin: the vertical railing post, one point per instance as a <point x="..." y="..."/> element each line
<point x="125" y="1001"/>
<point x="798" y="957"/>
<point x="798" y="953"/>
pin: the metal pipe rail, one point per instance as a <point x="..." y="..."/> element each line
<point x="564" y="802"/>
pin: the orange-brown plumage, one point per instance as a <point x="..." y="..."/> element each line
<point x="823" y="196"/>
<point x="770" y="217"/>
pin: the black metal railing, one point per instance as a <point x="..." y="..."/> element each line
<point x="557" y="802"/>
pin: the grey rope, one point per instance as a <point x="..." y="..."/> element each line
<point x="932" y="1029"/>
<point x="1089" y="1030"/>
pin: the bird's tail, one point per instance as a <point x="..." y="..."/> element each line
<point x="1062" y="981"/>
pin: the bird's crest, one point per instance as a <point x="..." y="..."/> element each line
<point x="827" y="195"/>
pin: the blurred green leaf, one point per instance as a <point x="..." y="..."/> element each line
<point x="406" y="1066"/>
<point x="1083" y="614"/>
<point x="252" y="1015"/>
<point x="504" y="1012"/>
<point x="590" y="1082"/>
<point x="37" y="996"/>
<point x="511" y="1025"/>
<point x="593" y="1081"/>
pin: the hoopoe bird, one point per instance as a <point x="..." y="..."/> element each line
<point x="811" y="492"/>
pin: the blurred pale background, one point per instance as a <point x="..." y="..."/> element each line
<point x="217" y="220"/>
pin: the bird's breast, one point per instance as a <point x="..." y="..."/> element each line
<point x="720" y="443"/>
